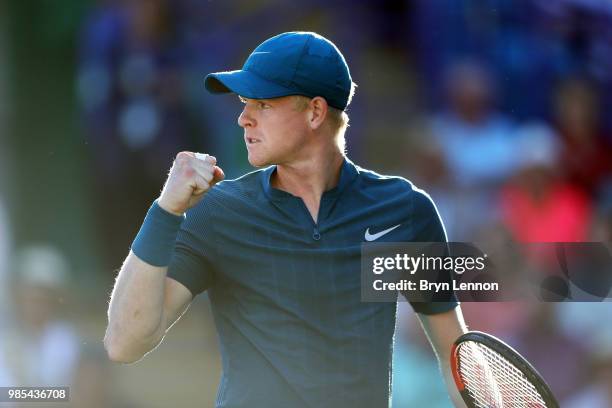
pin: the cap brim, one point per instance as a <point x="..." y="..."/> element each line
<point x="245" y="83"/>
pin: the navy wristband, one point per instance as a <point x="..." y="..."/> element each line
<point x="155" y="240"/>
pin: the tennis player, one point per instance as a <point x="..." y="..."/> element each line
<point x="278" y="249"/>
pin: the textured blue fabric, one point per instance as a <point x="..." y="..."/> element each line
<point x="285" y="291"/>
<point x="294" y="63"/>
<point x="154" y="243"/>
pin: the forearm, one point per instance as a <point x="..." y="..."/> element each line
<point x="135" y="313"/>
<point x="442" y="330"/>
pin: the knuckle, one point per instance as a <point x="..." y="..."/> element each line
<point x="182" y="158"/>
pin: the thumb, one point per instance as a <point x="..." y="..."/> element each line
<point x="218" y="174"/>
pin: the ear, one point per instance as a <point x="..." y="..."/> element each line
<point x="317" y="112"/>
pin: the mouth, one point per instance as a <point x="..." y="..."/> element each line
<point x="251" y="140"/>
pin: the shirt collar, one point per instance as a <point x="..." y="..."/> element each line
<point x="348" y="173"/>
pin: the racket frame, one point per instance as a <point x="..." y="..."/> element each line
<point x="510" y="354"/>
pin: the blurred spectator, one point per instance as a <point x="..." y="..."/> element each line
<point x="40" y="348"/>
<point x="582" y="321"/>
<point x="497" y="243"/>
<point x="559" y="358"/>
<point x="579" y="32"/>
<point x="538" y="206"/>
<point x="598" y="391"/>
<point x="5" y="248"/>
<point x="578" y="318"/>
<point x="5" y="165"/>
<point x="502" y="33"/>
<point x="602" y="225"/>
<point x="586" y="159"/>
<point x="527" y="41"/>
<point x="134" y="111"/>
<point x="475" y="139"/>
<point x="476" y="145"/>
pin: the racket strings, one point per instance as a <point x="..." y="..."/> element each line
<point x="493" y="381"/>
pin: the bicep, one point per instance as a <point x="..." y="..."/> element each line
<point x="177" y="299"/>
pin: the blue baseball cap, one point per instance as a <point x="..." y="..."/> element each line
<point x="294" y="63"/>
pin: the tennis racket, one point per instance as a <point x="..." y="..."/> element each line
<point x="490" y="374"/>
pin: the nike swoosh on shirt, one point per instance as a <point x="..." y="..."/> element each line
<point x="374" y="237"/>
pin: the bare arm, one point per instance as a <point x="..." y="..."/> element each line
<point x="442" y="330"/>
<point x="144" y="304"/>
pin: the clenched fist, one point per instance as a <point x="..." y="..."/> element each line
<point x="191" y="176"/>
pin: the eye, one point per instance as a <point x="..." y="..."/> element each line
<point x="263" y="105"/>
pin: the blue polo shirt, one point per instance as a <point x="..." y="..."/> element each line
<point x="285" y="291"/>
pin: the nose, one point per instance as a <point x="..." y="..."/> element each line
<point x="245" y="119"/>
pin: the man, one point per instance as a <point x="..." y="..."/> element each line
<point x="279" y="249"/>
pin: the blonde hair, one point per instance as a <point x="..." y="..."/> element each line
<point x="338" y="119"/>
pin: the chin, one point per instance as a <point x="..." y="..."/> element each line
<point x="258" y="161"/>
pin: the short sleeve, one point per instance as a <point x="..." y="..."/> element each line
<point x="429" y="228"/>
<point x="193" y="255"/>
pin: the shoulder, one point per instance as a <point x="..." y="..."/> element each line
<point x="370" y="178"/>
<point x="398" y="190"/>
<point x="397" y="185"/>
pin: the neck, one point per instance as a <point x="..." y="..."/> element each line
<point x="311" y="177"/>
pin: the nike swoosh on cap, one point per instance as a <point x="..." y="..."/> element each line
<point x="374" y="237"/>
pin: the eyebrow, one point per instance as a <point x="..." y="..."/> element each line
<point x="243" y="99"/>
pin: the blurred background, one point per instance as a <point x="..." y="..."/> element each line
<point x="499" y="109"/>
